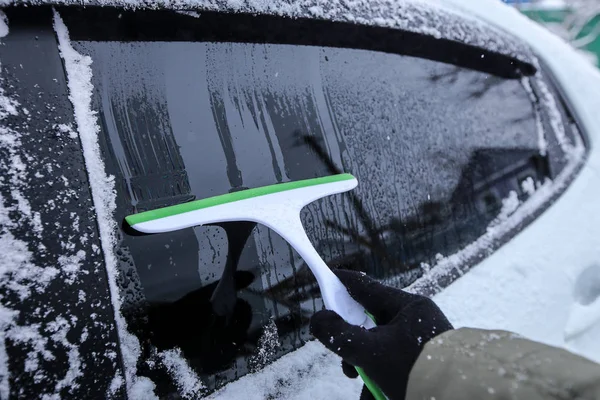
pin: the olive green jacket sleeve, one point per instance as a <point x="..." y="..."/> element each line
<point x="478" y="364"/>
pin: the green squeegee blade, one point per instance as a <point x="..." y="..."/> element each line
<point x="230" y="197"/>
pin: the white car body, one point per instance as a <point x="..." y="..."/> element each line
<point x="543" y="284"/>
<point x="535" y="284"/>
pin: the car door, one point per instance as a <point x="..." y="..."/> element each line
<point x="57" y="327"/>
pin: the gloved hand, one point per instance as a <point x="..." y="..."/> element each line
<point x="387" y="353"/>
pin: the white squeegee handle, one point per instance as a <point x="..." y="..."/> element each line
<point x="277" y="207"/>
<point x="334" y="293"/>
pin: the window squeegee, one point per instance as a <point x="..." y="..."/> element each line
<point x="277" y="207"/>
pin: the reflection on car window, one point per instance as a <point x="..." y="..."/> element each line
<point x="436" y="149"/>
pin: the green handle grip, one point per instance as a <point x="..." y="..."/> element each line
<point x="372" y="386"/>
<point x="369" y="383"/>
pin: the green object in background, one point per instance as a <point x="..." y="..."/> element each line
<point x="592" y="28"/>
<point x="546" y="15"/>
<point x="583" y="32"/>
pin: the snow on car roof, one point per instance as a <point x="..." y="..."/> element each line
<point x="428" y="18"/>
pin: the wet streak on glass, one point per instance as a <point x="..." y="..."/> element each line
<point x="436" y="148"/>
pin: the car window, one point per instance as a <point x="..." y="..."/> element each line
<point x="441" y="152"/>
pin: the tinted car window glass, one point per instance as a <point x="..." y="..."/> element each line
<point x="437" y="150"/>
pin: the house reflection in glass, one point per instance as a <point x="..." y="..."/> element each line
<point x="489" y="177"/>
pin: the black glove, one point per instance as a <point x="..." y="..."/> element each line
<point x="387" y="353"/>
